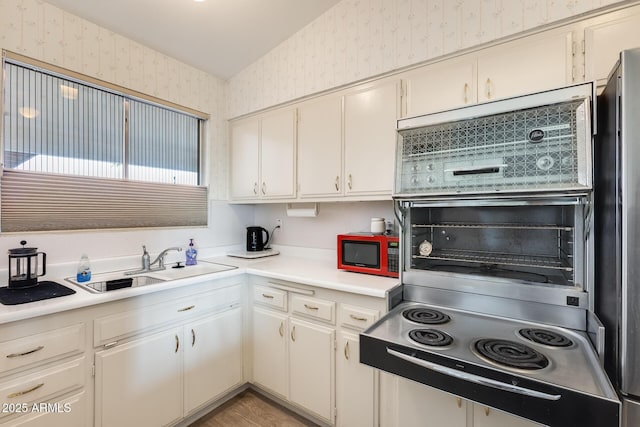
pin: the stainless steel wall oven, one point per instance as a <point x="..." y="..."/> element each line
<point x="494" y="202"/>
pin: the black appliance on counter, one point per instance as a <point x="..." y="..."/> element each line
<point x="23" y="285"/>
<point x="496" y="251"/>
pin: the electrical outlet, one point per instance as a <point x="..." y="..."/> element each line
<point x="279" y="223"/>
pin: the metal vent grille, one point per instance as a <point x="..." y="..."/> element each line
<point x="534" y="149"/>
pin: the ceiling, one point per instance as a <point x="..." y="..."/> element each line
<point x="220" y="37"/>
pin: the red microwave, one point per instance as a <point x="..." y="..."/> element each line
<point x="369" y="253"/>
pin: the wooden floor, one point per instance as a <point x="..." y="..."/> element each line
<point x="250" y="409"/>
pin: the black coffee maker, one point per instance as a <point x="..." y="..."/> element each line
<point x="23" y="266"/>
<point x="255" y="241"/>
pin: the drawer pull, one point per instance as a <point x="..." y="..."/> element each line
<point x="281" y="329"/>
<point x="346" y="350"/>
<point x="293" y="334"/>
<point x="310" y="307"/>
<point x="459" y="402"/>
<point x="267" y="296"/>
<point x="177" y="344"/>
<point x="12" y="355"/>
<point x="23" y="392"/>
<point x="187" y="308"/>
<point x="358" y="318"/>
<point x="193" y="338"/>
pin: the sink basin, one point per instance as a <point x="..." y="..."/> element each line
<point x="202" y="267"/>
<point x="105" y="282"/>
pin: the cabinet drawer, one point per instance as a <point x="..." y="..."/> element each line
<point x="69" y="412"/>
<point x="32" y="349"/>
<point x="357" y="317"/>
<point x="269" y="296"/>
<point x="314" y="307"/>
<point x="41" y="385"/>
<point x="122" y="325"/>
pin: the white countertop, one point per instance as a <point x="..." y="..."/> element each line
<point x="320" y="272"/>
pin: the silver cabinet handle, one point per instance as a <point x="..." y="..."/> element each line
<point x="459" y="402"/>
<point x="488" y="88"/>
<point x="359" y="319"/>
<point x="473" y="378"/>
<point x="177" y="344"/>
<point x="267" y="296"/>
<point x="264" y="188"/>
<point x="193" y="338"/>
<point x="337" y="183"/>
<point x="346" y="350"/>
<point x="23" y="392"/>
<point x="486" y="411"/>
<point x="12" y="355"/>
<point x="350" y="182"/>
<point x="281" y="329"/>
<point x="293" y="334"/>
<point x="255" y="188"/>
<point x="310" y="307"/>
<point x="187" y="308"/>
<point x="466" y="90"/>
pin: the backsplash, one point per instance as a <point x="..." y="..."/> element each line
<point x="358" y="39"/>
<point x="320" y="232"/>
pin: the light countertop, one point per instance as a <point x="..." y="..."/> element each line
<point x="319" y="272"/>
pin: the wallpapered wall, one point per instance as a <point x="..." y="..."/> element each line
<point x="357" y="39"/>
<point x="39" y="30"/>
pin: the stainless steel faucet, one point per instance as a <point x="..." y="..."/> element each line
<point x="147" y="265"/>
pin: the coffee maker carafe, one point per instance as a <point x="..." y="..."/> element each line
<point x="23" y="266"/>
<point x="255" y="241"/>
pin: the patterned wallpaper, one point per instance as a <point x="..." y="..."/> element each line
<point x="357" y="39"/>
<point x="39" y="30"/>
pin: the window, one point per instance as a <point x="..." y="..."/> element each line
<point x="79" y="153"/>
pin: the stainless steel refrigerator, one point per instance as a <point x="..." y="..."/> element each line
<point x="617" y="229"/>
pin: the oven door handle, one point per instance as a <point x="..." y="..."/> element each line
<point x="477" y="170"/>
<point x="473" y="378"/>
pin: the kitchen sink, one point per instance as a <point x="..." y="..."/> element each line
<point x="111" y="281"/>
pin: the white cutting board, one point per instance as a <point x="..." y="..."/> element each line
<point x="253" y="255"/>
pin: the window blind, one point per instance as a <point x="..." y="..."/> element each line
<point x="44" y="202"/>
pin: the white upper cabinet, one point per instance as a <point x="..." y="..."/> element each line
<point x="605" y="37"/>
<point x="263" y="154"/>
<point x="245" y="159"/>
<point x="524" y="66"/>
<point x="441" y="87"/>
<point x="320" y="147"/>
<point x="370" y="120"/>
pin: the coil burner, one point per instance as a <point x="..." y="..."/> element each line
<point x="430" y="337"/>
<point x="426" y="316"/>
<point x="545" y="337"/>
<point x="510" y="353"/>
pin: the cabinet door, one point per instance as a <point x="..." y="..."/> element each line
<point x="604" y="41"/>
<point x="423" y="406"/>
<point x="483" y="416"/>
<point x="278" y="154"/>
<point x="370" y="120"/>
<point x="212" y="357"/>
<point x="440" y="87"/>
<point x="311" y="367"/>
<point x="270" y="360"/>
<point x="356" y="385"/>
<point x="245" y="145"/>
<point x="320" y="147"/>
<point x="533" y="64"/>
<point x="140" y="383"/>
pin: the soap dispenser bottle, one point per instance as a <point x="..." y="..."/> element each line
<point x="84" y="269"/>
<point x="191" y="254"/>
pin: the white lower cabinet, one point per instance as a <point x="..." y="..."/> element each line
<point x="270" y="361"/>
<point x="140" y="383"/>
<point x="212" y="364"/>
<point x="311" y="366"/>
<point x="418" y="405"/>
<point x="356" y="385"/>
